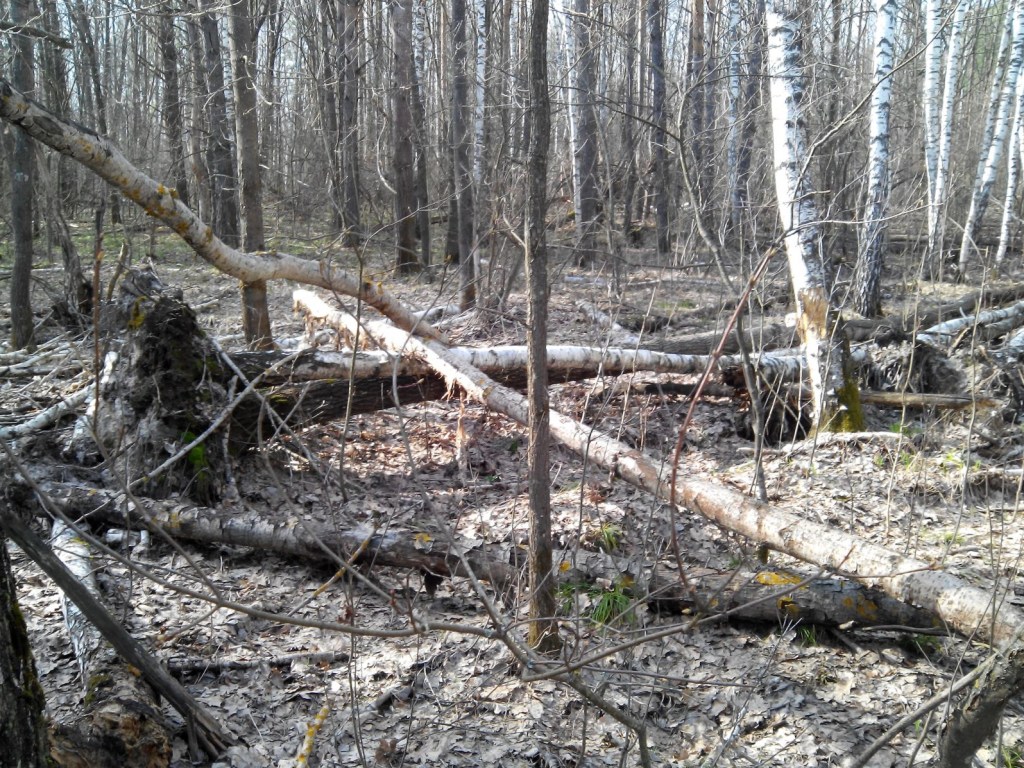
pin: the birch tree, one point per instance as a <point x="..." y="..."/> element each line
<point x="1001" y="101"/>
<point x="873" y="236"/>
<point x="940" y="181"/>
<point x="816" y="321"/>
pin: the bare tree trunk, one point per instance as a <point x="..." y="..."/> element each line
<point x="662" y="196"/>
<point x="220" y="155"/>
<point x="461" y="145"/>
<point x="22" y="165"/>
<point x="172" y="102"/>
<point x="873" y="239"/>
<point x="403" y="81"/>
<point x="543" y="631"/>
<point x="348" y="21"/>
<point x="586" y="138"/>
<point x="255" y="313"/>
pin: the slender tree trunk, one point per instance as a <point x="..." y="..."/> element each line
<point x="421" y="134"/>
<point x="699" y="88"/>
<point x="734" y="199"/>
<point x="172" y="102"/>
<point x="402" y="137"/>
<point x="629" y="108"/>
<point x="219" y="151"/>
<point x="932" y="91"/>
<point x="1013" y="163"/>
<point x="751" y="102"/>
<point x="348" y="20"/>
<point x="543" y="630"/>
<point x="940" y="192"/>
<point x="198" y="160"/>
<point x="1001" y="104"/>
<point x="586" y="138"/>
<point x="98" y="93"/>
<point x="662" y="197"/>
<point x="816" y="322"/>
<point x="22" y="170"/>
<point x="255" y="313"/>
<point x="462" y="144"/>
<point x="873" y="238"/>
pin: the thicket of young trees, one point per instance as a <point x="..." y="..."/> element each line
<point x="381" y="122"/>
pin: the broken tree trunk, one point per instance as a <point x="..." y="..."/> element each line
<point x="966" y="609"/>
<point x="121" y="726"/>
<point x="211" y="736"/>
<point x="766" y="595"/>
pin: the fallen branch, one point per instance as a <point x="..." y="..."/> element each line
<point x="767" y="595"/>
<point x="966" y="609"/>
<point x="102" y="157"/>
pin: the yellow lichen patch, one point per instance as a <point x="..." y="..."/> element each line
<point x="776" y="579"/>
<point x="866" y="609"/>
<point x="788" y="607"/>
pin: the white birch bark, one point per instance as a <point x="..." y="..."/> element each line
<point x="872" y="246"/>
<point x="1013" y="163"/>
<point x="479" y="155"/>
<point x="815" y="320"/>
<point x="932" y="91"/>
<point x="1001" y="104"/>
<point x="937" y="208"/>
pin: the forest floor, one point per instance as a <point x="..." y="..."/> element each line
<point x="931" y="484"/>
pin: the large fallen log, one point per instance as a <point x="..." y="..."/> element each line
<point x="765" y="595"/>
<point x="967" y="609"/>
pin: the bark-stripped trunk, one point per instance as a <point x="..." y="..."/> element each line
<point x="106" y="160"/>
<point x="461" y="147"/>
<point x="816" y="321"/>
<point x="543" y="629"/>
<point x="940" y="190"/>
<point x="402" y="137"/>
<point x="662" y="197"/>
<point x="873" y="237"/>
<point x="255" y="312"/>
<point x="21" y="155"/>
<point x="1001" y="107"/>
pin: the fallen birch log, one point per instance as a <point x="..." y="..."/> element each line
<point x="102" y="157"/>
<point x="967" y="609"/>
<point x="211" y="736"/>
<point x="120" y="711"/>
<point x="766" y="595"/>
